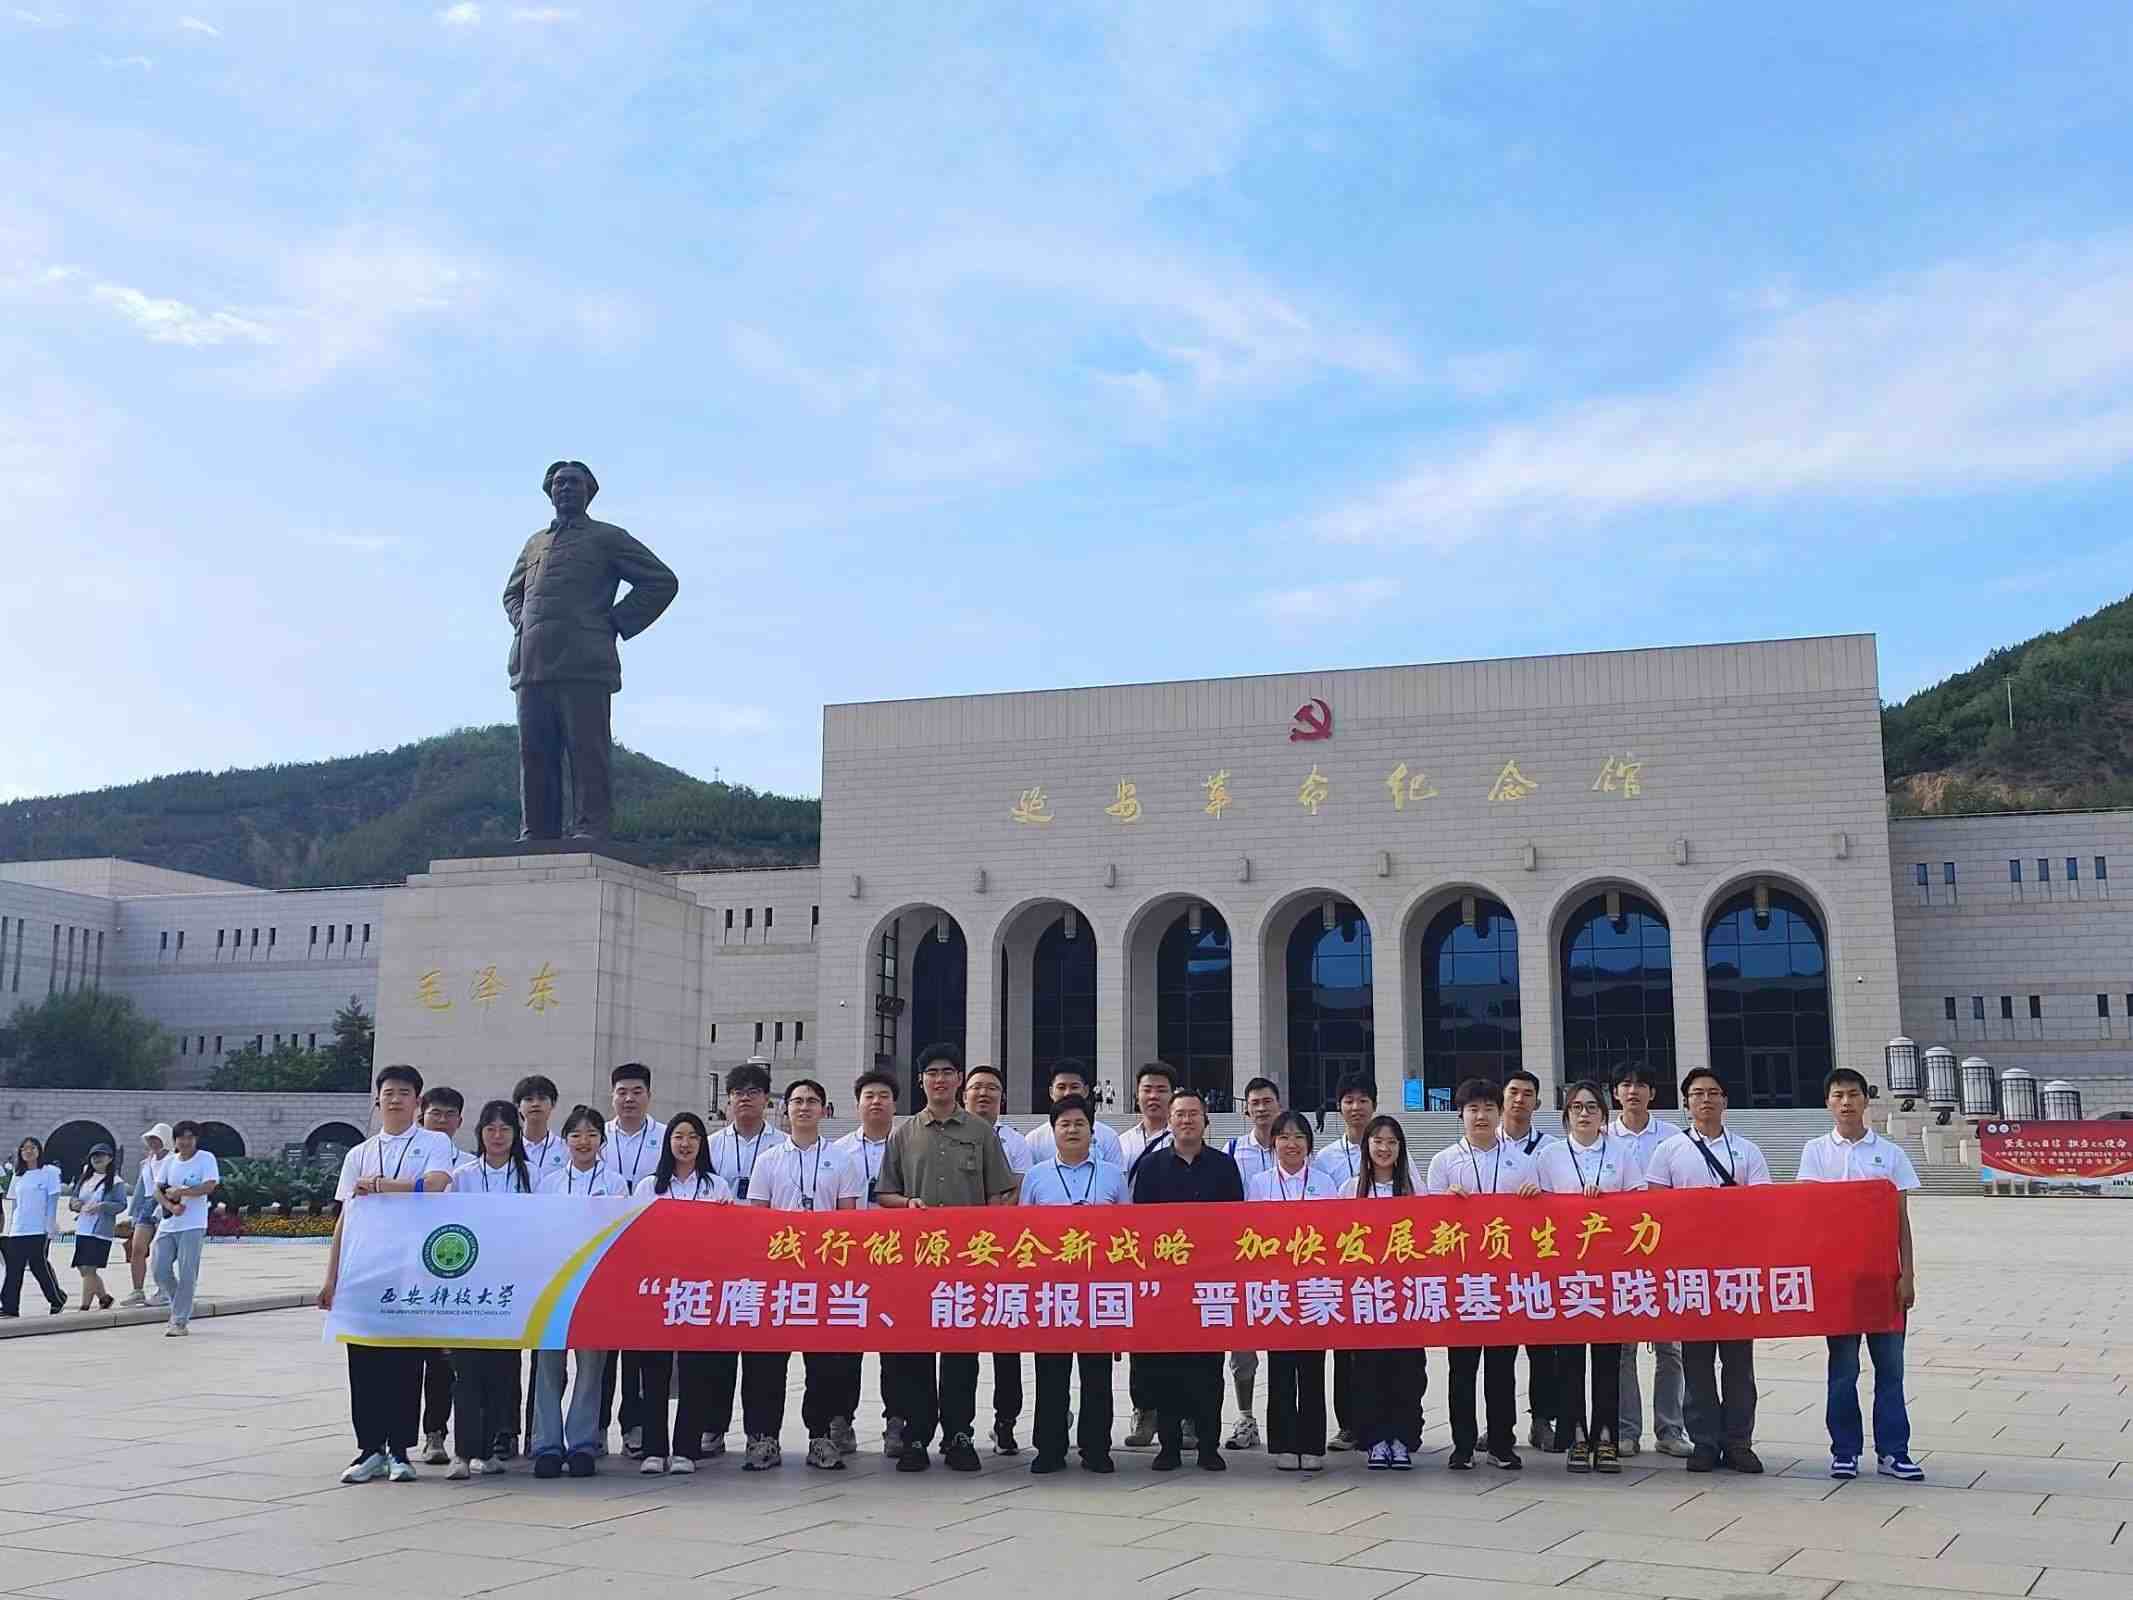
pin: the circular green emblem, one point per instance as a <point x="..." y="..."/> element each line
<point x="451" y="1251"/>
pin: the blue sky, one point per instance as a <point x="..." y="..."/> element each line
<point x="950" y="347"/>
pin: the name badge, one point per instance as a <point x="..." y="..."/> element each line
<point x="873" y="1185"/>
<point x="807" y="1202"/>
<point x="740" y="1190"/>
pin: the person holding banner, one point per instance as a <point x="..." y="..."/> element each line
<point x="1521" y="1098"/>
<point x="941" y="1157"/>
<point x="483" y="1404"/>
<point x="1343" y="1162"/>
<point x="1187" y="1386"/>
<point x="874" y="1092"/>
<point x="1253" y="1151"/>
<point x="1709" y="1156"/>
<point x="804" y="1174"/>
<point x="1587" y="1161"/>
<point x="1482" y="1163"/>
<point x="1152" y="1089"/>
<point x="1641" y="1134"/>
<point x="1072" y="1177"/>
<point x="684" y="1173"/>
<point x="631" y="1145"/>
<point x="1852" y="1150"/>
<point x="1295" y="1379"/>
<point x="1390" y="1382"/>
<point x="985" y="1097"/>
<point x="572" y="1442"/>
<point x="385" y="1381"/>
<point x="737" y="1152"/>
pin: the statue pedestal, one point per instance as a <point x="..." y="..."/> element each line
<point x="561" y="958"/>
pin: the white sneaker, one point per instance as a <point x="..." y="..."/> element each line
<point x="763" y="1454"/>
<point x="175" y="1330"/>
<point x="1142" y="1434"/>
<point x="1288" y="1463"/>
<point x="159" y="1300"/>
<point x="1672" y="1444"/>
<point x="399" y="1469"/>
<point x="135" y="1299"/>
<point x="461" y="1471"/>
<point x="491" y="1468"/>
<point x="680" y="1464"/>
<point x="1313" y="1463"/>
<point x="1245" y="1435"/>
<point x="434" y="1453"/>
<point x="823" y="1453"/>
<point x="653" y="1466"/>
<point x="365" y="1469"/>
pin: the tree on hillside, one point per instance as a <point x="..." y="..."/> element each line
<point x="85" y="1040"/>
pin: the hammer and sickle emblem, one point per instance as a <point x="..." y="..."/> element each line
<point x="1314" y="719"/>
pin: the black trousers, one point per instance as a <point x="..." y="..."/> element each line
<point x="1716" y="1420"/>
<point x="933" y="1392"/>
<point x="31" y="1253"/>
<point x="1006" y="1388"/>
<point x="1344" y="1408"/>
<point x="1140" y="1388"/>
<point x="1092" y="1426"/>
<point x="384" y="1397"/>
<point x="439" y="1378"/>
<point x="759" y="1372"/>
<point x="482" y="1403"/>
<point x="1572" y="1418"/>
<point x="1391" y="1383"/>
<point x="690" y="1373"/>
<point x="622" y="1387"/>
<point x="1187" y="1386"/>
<point x="1295" y="1402"/>
<point x="831" y="1376"/>
<point x="1543" y="1382"/>
<point x="1498" y="1366"/>
<point x="554" y="720"/>
<point x="850" y="1381"/>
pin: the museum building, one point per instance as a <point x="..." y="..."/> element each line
<point x="1676" y="856"/>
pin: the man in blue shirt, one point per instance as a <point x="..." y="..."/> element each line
<point x="1073" y="1177"/>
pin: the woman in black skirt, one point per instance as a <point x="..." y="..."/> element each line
<point x="99" y="1201"/>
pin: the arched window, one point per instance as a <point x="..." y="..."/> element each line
<point x="1470" y="1022"/>
<point x="1331" y="1004"/>
<point x="68" y="1148"/>
<point x="1618" y="990"/>
<point x="1766" y="981"/>
<point x="221" y="1141"/>
<point x="1192" y="1017"/>
<point x="940" y="977"/>
<point x="332" y="1140"/>
<point x="1062" y="1004"/>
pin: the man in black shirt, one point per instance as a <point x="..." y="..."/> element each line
<point x="1187" y="1172"/>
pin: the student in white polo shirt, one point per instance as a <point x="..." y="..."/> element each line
<point x="1389" y="1382"/>
<point x="1253" y="1151"/>
<point x="1521" y="1099"/>
<point x="1071" y="1077"/>
<point x="572" y="1440"/>
<point x="737" y="1152"/>
<point x="1642" y="1134"/>
<point x="1295" y="1379"/>
<point x="874" y="1092"/>
<point x="984" y="1097"/>
<point x="806" y="1173"/>
<point x="1851" y="1151"/>
<point x="1483" y="1165"/>
<point x="632" y="1139"/>
<point x="684" y="1173"/>
<point x="1343" y="1161"/>
<point x="1072" y="1177"/>
<point x="1711" y="1156"/>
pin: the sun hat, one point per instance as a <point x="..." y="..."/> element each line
<point x="160" y="1131"/>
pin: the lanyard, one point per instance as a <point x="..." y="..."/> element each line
<point x="537" y="1154"/>
<point x="503" y="1172"/>
<point x="1724" y="1173"/>
<point x="1303" y="1186"/>
<point x="755" y="1152"/>
<point x="570" y="1179"/>
<point x="1059" y="1171"/>
<point x="799" y="1164"/>
<point x="869" y="1149"/>
<point x="1532" y="1141"/>
<point x="1495" y="1171"/>
<point x="1599" y="1167"/>
<point x="637" y="1160"/>
<point x="409" y="1136"/>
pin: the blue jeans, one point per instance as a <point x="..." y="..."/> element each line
<point x="579" y="1431"/>
<point x="1892" y="1423"/>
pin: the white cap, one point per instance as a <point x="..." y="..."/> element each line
<point x="160" y="1131"/>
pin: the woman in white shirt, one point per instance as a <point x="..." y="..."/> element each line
<point x="32" y="1220"/>
<point x="1389" y="1384"/>
<point x="1589" y="1161"/>
<point x="684" y="1173"/>
<point x="572" y="1442"/>
<point x="1296" y="1379"/>
<point x="484" y="1402"/>
<point x="98" y="1199"/>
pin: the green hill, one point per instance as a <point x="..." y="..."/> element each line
<point x="376" y="818"/>
<point x="1949" y="748"/>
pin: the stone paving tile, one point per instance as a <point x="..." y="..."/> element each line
<point x="1659" y="1548"/>
<point x="2061" y="1583"/>
<point x="172" y="1583"/>
<point x="1697" y="1583"/>
<point x="1465" y="1561"/>
<point x="1290" y="1580"/>
<point x="27" y="1569"/>
<point x="875" y="1539"/>
<point x="1977" y="1577"/>
<point x="848" y="1575"/>
<point x="1081" y="1528"/>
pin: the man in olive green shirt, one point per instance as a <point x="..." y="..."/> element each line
<point x="944" y="1156"/>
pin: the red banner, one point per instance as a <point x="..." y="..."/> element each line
<point x="1764" y="1263"/>
<point x="2069" y="1152"/>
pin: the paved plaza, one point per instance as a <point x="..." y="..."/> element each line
<point x="204" y="1470"/>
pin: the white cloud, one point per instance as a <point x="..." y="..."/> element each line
<point x="136" y="63"/>
<point x="195" y="25"/>
<point x="1327" y="602"/>
<point x="352" y="300"/>
<point x="1969" y="376"/>
<point x="175" y="322"/>
<point x="464" y="15"/>
<point x="538" y="15"/>
<point x="682" y="714"/>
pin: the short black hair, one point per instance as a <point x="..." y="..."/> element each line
<point x="1521" y="1075"/>
<point x="1635" y="1072"/>
<point x="1293" y="1122"/>
<point x="1067" y="1066"/>
<point x="1157" y="1069"/>
<point x="584" y="1117"/>
<point x="630" y="1069"/>
<point x="1473" y="1089"/>
<point x="1190" y="1093"/>
<point x="1357" y="1083"/>
<point x="1851" y="1075"/>
<point x="1257" y="1084"/>
<point x="874" y="1075"/>
<point x="748" y="1075"/>
<point x="178" y="1130"/>
<point x="821" y="1093"/>
<point x="1695" y="1073"/>
<point x="1072" y="1102"/>
<point x="537" y="1087"/>
<point x="444" y="1095"/>
<point x="990" y="1071"/>
<point x="398" y="1072"/>
<point x="941" y="1051"/>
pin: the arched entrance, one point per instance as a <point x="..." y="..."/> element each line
<point x="1766" y="983"/>
<point x="221" y="1141"/>
<point x="68" y="1148"/>
<point x="1193" y="1030"/>
<point x="331" y="1140"/>
<point x="1331" y="1001"/>
<point x="940" y="981"/>
<point x="1062" y="1002"/>
<point x="1617" y="976"/>
<point x="915" y="982"/>
<point x="1470" y="1024"/>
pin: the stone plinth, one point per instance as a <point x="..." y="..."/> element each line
<point x="498" y="966"/>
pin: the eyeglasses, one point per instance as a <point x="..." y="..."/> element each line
<point x="1584" y="1108"/>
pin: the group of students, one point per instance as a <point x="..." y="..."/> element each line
<point x="166" y="1206"/>
<point x="1585" y="1398"/>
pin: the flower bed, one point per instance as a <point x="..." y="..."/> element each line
<point x="267" y="1227"/>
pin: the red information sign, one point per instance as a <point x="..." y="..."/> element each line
<point x="2064" y="1152"/>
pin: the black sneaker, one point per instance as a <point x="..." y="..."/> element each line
<point x="580" y="1464"/>
<point x="548" y="1465"/>
<point x="1003" y="1440"/>
<point x="1043" y="1466"/>
<point x="1211" y="1460"/>
<point x="1703" y="1459"/>
<point x="1506" y="1460"/>
<point x="1098" y="1463"/>
<point x="960" y="1455"/>
<point x="1742" y="1459"/>
<point x="1167" y="1459"/>
<point x="914" y="1459"/>
<point x="1460" y="1460"/>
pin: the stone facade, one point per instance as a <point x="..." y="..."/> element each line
<point x="233" y="1124"/>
